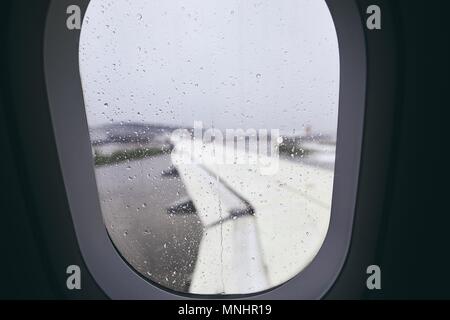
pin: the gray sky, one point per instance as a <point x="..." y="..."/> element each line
<point x="232" y="63"/>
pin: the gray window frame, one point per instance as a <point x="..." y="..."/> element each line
<point x="112" y="273"/>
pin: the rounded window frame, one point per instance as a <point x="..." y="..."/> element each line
<point x="108" y="268"/>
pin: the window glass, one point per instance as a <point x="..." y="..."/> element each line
<point x="213" y="128"/>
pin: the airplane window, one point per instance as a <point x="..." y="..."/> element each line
<point x="213" y="128"/>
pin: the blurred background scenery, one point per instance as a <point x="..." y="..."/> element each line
<point x="150" y="67"/>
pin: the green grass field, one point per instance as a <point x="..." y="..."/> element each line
<point x="127" y="155"/>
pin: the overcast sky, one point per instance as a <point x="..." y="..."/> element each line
<point x="230" y="63"/>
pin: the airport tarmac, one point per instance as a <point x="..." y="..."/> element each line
<point x="134" y="198"/>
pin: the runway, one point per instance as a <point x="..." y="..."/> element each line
<point x="134" y="199"/>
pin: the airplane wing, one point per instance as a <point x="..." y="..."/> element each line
<point x="260" y="229"/>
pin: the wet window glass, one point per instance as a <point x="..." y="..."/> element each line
<point x="213" y="130"/>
